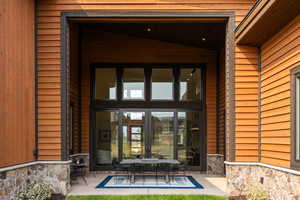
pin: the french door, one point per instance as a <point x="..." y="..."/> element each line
<point x="147" y="133"/>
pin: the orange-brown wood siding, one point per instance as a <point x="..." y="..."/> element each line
<point x="17" y="82"/>
<point x="246" y="104"/>
<point x="279" y="55"/>
<point x="139" y="50"/>
<point x="49" y="50"/>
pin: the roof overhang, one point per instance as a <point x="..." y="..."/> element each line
<point x="265" y="19"/>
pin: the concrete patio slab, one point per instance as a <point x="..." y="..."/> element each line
<point x="213" y="185"/>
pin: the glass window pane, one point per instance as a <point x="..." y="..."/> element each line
<point x="133" y="127"/>
<point x="188" y="138"/>
<point x="162" y="84"/>
<point x="162" y="125"/>
<point x="133" y="83"/>
<point x="190" y="84"/>
<point x="298" y="118"/>
<point x="105" y="83"/>
<point x="106" y="137"/>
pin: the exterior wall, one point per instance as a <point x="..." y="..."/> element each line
<point x="247" y="111"/>
<point x="279" y="55"/>
<point x="14" y="181"/>
<point x="17" y="81"/>
<point x="138" y="50"/>
<point x="279" y="184"/>
<point x="49" y="50"/>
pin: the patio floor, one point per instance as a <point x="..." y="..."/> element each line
<point x="213" y="185"/>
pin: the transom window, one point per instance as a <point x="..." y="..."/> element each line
<point x="148" y="83"/>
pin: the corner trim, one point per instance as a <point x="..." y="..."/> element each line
<point x="294" y="75"/>
<point x="34" y="163"/>
<point x="291" y="171"/>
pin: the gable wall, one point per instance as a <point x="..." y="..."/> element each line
<point x="49" y="51"/>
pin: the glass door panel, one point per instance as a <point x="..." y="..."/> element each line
<point x="189" y="138"/>
<point x="162" y="135"/>
<point x="106" y="137"/>
<point x="133" y="137"/>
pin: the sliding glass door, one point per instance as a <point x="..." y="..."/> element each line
<point x="148" y="133"/>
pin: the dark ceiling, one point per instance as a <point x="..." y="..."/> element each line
<point x="204" y="35"/>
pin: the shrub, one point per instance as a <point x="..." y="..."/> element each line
<point x="256" y="192"/>
<point x="35" y="191"/>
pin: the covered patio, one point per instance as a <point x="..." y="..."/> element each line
<point x="152" y="88"/>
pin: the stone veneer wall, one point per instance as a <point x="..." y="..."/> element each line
<point x="12" y="182"/>
<point x="215" y="164"/>
<point x="280" y="185"/>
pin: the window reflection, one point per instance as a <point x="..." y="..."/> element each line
<point x="106" y="83"/>
<point x="190" y="83"/>
<point x="133" y="134"/>
<point x="188" y="138"/>
<point x="162" y="126"/>
<point x="162" y="84"/>
<point x="106" y="137"/>
<point x="133" y="83"/>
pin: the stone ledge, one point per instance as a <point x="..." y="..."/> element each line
<point x="291" y="171"/>
<point x="4" y="169"/>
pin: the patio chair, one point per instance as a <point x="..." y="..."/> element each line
<point x="163" y="169"/>
<point x="138" y="170"/>
<point x="177" y="169"/>
<point x="120" y="170"/>
<point x="78" y="168"/>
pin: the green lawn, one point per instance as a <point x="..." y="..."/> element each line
<point x="149" y="197"/>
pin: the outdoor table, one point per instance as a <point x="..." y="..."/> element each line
<point x="149" y="161"/>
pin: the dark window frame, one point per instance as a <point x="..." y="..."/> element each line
<point x="295" y="74"/>
<point x="148" y="102"/>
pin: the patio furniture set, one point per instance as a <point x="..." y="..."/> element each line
<point x="140" y="168"/>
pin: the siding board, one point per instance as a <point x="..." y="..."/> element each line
<point x="17" y="76"/>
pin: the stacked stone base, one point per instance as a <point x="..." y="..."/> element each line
<point x="279" y="184"/>
<point x="13" y="181"/>
<point x="215" y="164"/>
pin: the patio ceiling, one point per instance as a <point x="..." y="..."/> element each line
<point x="203" y="35"/>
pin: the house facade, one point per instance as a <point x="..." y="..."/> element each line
<point x="211" y="83"/>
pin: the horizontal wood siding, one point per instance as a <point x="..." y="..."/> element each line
<point x="49" y="12"/>
<point x="138" y="50"/>
<point x="17" y="82"/>
<point x="279" y="55"/>
<point x="246" y="95"/>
